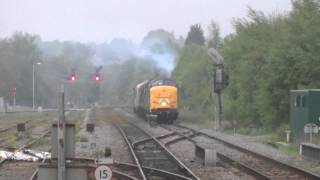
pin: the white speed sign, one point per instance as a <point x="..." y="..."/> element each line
<point x="103" y="172"/>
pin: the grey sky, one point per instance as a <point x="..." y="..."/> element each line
<point x="102" y="20"/>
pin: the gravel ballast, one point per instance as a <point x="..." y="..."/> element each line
<point x="184" y="150"/>
<point x="253" y="144"/>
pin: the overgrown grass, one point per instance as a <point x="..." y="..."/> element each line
<point x="82" y="137"/>
<point x="40" y="143"/>
<point x="76" y="117"/>
<point x="290" y="150"/>
<point x="195" y="117"/>
<point x="10" y="140"/>
<point x="274" y="139"/>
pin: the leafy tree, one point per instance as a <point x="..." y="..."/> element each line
<point x="268" y="56"/>
<point x="214" y="39"/>
<point x="193" y="74"/>
<point x="195" y="35"/>
<point x="17" y="54"/>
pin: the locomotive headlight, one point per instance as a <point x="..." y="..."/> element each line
<point x="164" y="102"/>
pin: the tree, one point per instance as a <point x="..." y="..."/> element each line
<point x="195" y="35"/>
<point x="17" y="54"/>
<point x="266" y="57"/>
<point x="214" y="39"/>
<point x="194" y="73"/>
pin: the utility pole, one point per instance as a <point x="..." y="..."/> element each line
<point x="218" y="84"/>
<point x="13" y="91"/>
<point x="61" y="138"/>
<point x="33" y="85"/>
<point x="14" y="100"/>
<point x="33" y="81"/>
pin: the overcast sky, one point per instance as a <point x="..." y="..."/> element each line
<point x="102" y="20"/>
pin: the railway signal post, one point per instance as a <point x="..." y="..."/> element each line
<point x="218" y="84"/>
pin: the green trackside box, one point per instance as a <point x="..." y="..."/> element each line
<point x="304" y="109"/>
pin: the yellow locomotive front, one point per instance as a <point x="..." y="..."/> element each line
<point x="164" y="100"/>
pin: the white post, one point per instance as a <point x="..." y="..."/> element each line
<point x="288" y="136"/>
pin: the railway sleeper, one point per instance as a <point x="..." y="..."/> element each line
<point x="136" y="143"/>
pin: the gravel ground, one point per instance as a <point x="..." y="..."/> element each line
<point x="254" y="145"/>
<point x="24" y="170"/>
<point x="184" y="150"/>
<point x="17" y="170"/>
<point x="203" y="172"/>
<point x="105" y="135"/>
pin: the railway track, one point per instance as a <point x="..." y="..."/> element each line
<point x="255" y="164"/>
<point x="28" y="144"/>
<point x="12" y="127"/>
<point x="152" y="158"/>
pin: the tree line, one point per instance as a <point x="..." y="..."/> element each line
<point x="266" y="56"/>
<point x="124" y="66"/>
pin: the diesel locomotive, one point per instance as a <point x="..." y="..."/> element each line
<point x="158" y="98"/>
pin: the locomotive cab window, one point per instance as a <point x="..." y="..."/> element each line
<point x="162" y="82"/>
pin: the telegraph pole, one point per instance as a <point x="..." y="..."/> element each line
<point x="33" y="81"/>
<point x="218" y="84"/>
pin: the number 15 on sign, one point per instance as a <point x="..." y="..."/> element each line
<point x="103" y="173"/>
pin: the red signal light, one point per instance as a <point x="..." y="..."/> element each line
<point x="97" y="78"/>
<point x="72" y="78"/>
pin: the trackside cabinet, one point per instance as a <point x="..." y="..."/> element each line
<point x="304" y="108"/>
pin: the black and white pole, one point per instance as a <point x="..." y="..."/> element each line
<point x="218" y="85"/>
<point x="61" y="138"/>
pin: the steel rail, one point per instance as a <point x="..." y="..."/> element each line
<point x="309" y="175"/>
<point x="11" y="127"/>
<point x="122" y="175"/>
<point x="28" y="144"/>
<point x="182" y="136"/>
<point x="259" y="175"/>
<point x="136" y="143"/>
<point x="158" y="172"/>
<point x="133" y="154"/>
<point x="229" y="160"/>
<point x="170" y="154"/>
<point x="35" y="173"/>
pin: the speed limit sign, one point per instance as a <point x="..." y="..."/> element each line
<point x="103" y="172"/>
